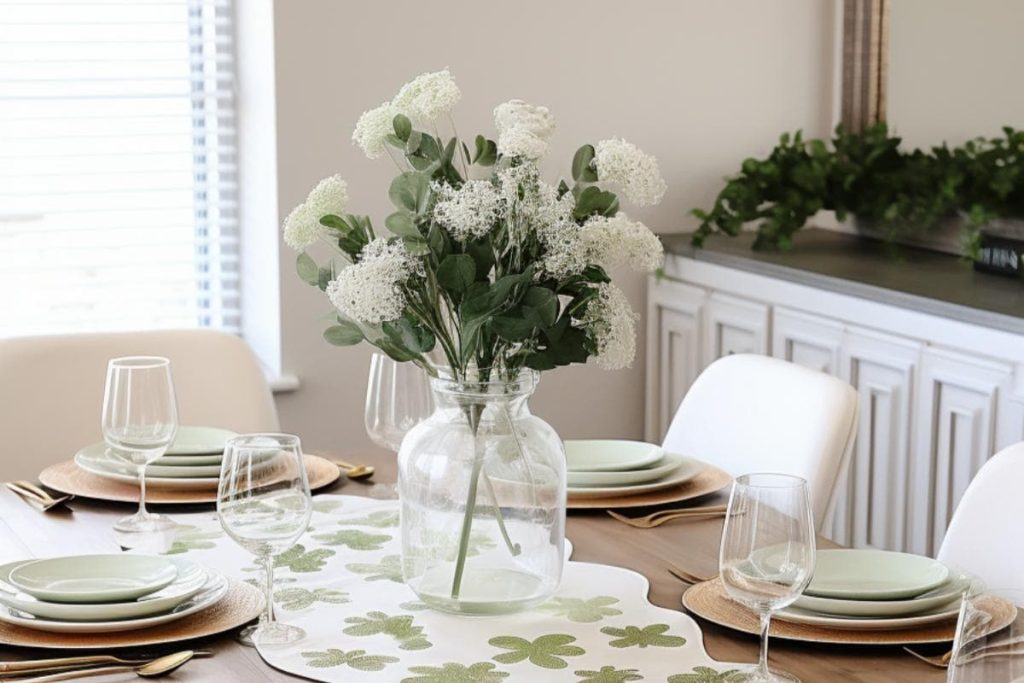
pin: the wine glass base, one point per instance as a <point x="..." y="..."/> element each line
<point x="755" y="675"/>
<point x="276" y="633"/>
<point x="146" y="532"/>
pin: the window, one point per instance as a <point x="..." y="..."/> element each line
<point x="118" y="168"/>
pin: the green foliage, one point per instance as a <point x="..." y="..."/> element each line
<point x="546" y="651"/>
<point x="634" y="636"/>
<point x="345" y="333"/>
<point x="452" y="672"/>
<point x="869" y="176"/>
<point x="357" y="659"/>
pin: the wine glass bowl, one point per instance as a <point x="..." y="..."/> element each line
<point x="139" y="421"/>
<point x="264" y="505"/>
<point x="767" y="553"/>
<point x="398" y="397"/>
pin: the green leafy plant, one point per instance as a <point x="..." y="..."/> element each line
<point x="868" y="175"/>
<point x="546" y="651"/>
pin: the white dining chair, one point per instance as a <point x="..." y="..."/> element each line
<point x="51" y="389"/>
<point x="747" y="413"/>
<point x="984" y="536"/>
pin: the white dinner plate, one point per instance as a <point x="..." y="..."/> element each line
<point x="214" y="590"/>
<point x="200" y="440"/>
<point x="103" y="457"/>
<point x="952" y="589"/>
<point x="687" y="470"/>
<point x="625" y="478"/>
<point x="191" y="579"/>
<point x="93" y="578"/>
<point x="861" y="574"/>
<point x="609" y="455"/>
<point x="188" y="460"/>
<point x="181" y="483"/>
<point x="950" y="610"/>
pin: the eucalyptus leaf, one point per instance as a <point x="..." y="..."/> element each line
<point x="334" y="222"/>
<point x="540" y="306"/>
<point x="456" y="272"/>
<point x="412" y="145"/>
<point x="345" y="333"/>
<point x="307" y="269"/>
<point x="582" y="169"/>
<point x="410" y="191"/>
<point x="402" y="126"/>
<point x="402" y="224"/>
<point x="593" y="200"/>
<point x="512" y="328"/>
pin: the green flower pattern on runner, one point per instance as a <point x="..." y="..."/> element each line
<point x="300" y="598"/>
<point x="354" y="539"/>
<point x="400" y="627"/>
<point x="634" y="636"/>
<point x="389" y="568"/>
<point x="357" y="659"/>
<point x="379" y="519"/>
<point x="608" y="674"/>
<point x="298" y="559"/>
<point x="451" y="672"/>
<point x="582" y="611"/>
<point x="413" y="606"/>
<point x="702" y="674"/>
<point x="190" y="537"/>
<point x="326" y="505"/>
<point x="545" y="652"/>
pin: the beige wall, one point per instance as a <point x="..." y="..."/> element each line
<point x="955" y="69"/>
<point x="701" y="84"/>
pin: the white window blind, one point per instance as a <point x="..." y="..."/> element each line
<point x="118" y="169"/>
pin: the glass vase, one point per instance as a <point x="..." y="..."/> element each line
<point x="482" y="487"/>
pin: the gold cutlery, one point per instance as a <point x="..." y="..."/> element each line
<point x="999" y="649"/>
<point x="151" y="669"/>
<point x="658" y="518"/>
<point x="58" y="664"/>
<point x="687" y="577"/>
<point x="355" y="471"/>
<point x="36" y="495"/>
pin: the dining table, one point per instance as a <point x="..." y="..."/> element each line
<point x="690" y="544"/>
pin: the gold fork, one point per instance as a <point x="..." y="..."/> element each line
<point x="687" y="577"/>
<point x="942" y="661"/>
<point x="661" y="517"/>
<point x="36" y="495"/>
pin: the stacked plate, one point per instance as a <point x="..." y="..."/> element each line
<point x="191" y="462"/>
<point x="105" y="593"/>
<point x="602" y="468"/>
<point x="878" y="590"/>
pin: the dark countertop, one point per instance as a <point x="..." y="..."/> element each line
<point x="926" y="281"/>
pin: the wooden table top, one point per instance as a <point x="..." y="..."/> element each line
<point x="691" y="545"/>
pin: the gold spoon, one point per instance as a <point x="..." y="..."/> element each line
<point x="57" y="664"/>
<point x="355" y="471"/>
<point x="36" y="495"/>
<point x="157" y="667"/>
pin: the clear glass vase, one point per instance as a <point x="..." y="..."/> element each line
<point x="482" y="487"/>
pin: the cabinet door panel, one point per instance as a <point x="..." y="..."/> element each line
<point x="734" y="325"/>
<point x="808" y="340"/>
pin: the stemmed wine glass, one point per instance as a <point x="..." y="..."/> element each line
<point x="140" y="418"/>
<point x="989" y="643"/>
<point x="264" y="505"/>
<point x="397" y="399"/>
<point x="767" y="555"/>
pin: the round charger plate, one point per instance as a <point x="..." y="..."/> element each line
<point x="67" y="477"/>
<point x="191" y="579"/>
<point x="189" y="440"/>
<point x="627" y="477"/>
<point x="93" y="578"/>
<point x="205" y="599"/>
<point x="242" y="604"/>
<point x="707" y="481"/>
<point x="863" y="574"/>
<point x="947" y="592"/>
<point x="709" y="601"/>
<point x="682" y="473"/>
<point x="609" y="455"/>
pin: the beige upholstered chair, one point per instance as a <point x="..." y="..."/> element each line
<point x="51" y="389"/>
<point x="748" y="413"/>
<point x="984" y="537"/>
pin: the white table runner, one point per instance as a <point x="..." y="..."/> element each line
<point x="342" y="583"/>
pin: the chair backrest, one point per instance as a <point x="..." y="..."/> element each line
<point x="985" y="536"/>
<point x="747" y="413"/>
<point x="51" y="389"/>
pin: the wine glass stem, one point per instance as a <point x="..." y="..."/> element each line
<point x="142" y="491"/>
<point x="762" y="665"/>
<point x="268" y="617"/>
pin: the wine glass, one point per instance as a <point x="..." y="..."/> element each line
<point x="989" y="642"/>
<point x="264" y="505"/>
<point x="140" y="418"/>
<point x="767" y="555"/>
<point x="397" y="399"/>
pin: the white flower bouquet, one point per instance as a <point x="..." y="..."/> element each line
<point x="487" y="268"/>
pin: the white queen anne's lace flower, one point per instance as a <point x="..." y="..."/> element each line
<point x="467" y="212"/>
<point x="611" y="323"/>
<point x="635" y="171"/>
<point x="428" y="96"/>
<point x="302" y="226"/>
<point x="523" y="129"/>
<point x="372" y="129"/>
<point x="617" y="241"/>
<point x="370" y="291"/>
